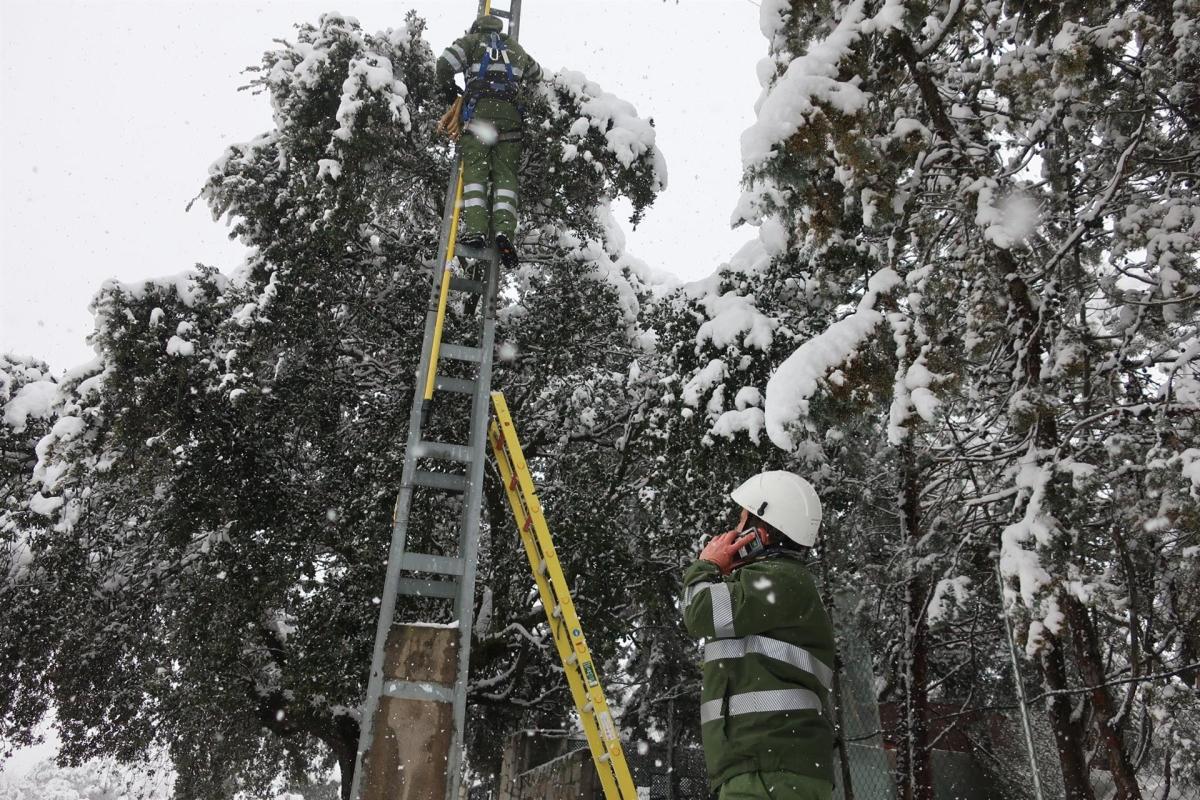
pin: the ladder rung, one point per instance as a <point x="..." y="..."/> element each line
<point x="460" y="385"/>
<point x="589" y="708"/>
<point x="445" y="451"/>
<point x="542" y="567"/>
<point x="558" y="611"/>
<point x="458" y="284"/>
<point x="462" y="353"/>
<point x="573" y="659"/>
<point x="417" y="587"/>
<point x="419" y="690"/>
<point x="440" y="480"/>
<point x="605" y="757"/>
<point x="420" y="562"/>
<point x="495" y="12"/>
<point x="483" y="253"/>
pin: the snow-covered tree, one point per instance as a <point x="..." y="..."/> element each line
<point x="216" y="489"/>
<point x="28" y="395"/>
<point x="969" y="315"/>
<point x="998" y="198"/>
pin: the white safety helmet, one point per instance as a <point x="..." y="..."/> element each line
<point x="785" y="501"/>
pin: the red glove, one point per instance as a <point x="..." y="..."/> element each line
<point x="722" y="549"/>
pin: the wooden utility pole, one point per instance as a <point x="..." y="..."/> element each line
<point x="411" y="746"/>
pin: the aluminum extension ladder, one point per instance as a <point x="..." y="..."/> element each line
<point x="603" y="737"/>
<point x="450" y="578"/>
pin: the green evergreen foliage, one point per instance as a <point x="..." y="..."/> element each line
<point x="1013" y="176"/>
<point x="225" y="470"/>
<point x="969" y="316"/>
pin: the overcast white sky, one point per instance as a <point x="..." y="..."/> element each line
<point x="113" y="110"/>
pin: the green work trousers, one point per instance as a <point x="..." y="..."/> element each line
<point x="496" y="164"/>
<point x="775" y="786"/>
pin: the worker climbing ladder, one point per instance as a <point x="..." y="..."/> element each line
<point x="447" y="467"/>
<point x="604" y="740"/>
<point x="458" y="469"/>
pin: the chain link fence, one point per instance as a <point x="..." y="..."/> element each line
<point x="982" y="749"/>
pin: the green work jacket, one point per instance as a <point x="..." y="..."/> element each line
<point x="768" y="668"/>
<point x="465" y="56"/>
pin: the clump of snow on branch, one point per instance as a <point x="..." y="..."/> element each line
<point x="1190" y="460"/>
<point x="1020" y="545"/>
<point x="911" y="392"/>
<point x="292" y="74"/>
<point x="948" y="593"/>
<point x="370" y="74"/>
<point x="703" y="382"/>
<point x="628" y="136"/>
<point x="730" y="322"/>
<point x="811" y="80"/>
<point x="35" y="400"/>
<point x="731" y="318"/>
<point x="616" y="267"/>
<point x="745" y="417"/>
<point x="799" y="376"/>
<point x="1006" y="222"/>
<point x="773" y="16"/>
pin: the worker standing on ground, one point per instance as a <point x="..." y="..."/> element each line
<point x="495" y="71"/>
<point x="769" y="648"/>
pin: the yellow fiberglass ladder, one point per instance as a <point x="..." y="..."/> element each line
<point x="603" y="737"/>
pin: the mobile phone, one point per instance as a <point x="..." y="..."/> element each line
<point x="753" y="547"/>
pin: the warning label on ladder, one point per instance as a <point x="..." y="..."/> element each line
<point x="607" y="727"/>
<point x="590" y="672"/>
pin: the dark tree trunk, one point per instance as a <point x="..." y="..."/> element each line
<point x="1068" y="731"/>
<point x="918" y="698"/>
<point x="343" y="741"/>
<point x="1091" y="667"/>
<point x="917" y="775"/>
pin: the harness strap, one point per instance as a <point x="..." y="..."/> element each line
<point x="483" y="86"/>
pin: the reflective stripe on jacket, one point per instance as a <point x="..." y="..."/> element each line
<point x="768" y="668"/>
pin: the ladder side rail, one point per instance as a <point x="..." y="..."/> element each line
<point x="469" y="530"/>
<point x="547" y="546"/>
<point x="514" y="20"/>
<point x="579" y="643"/>
<point x="387" y="599"/>
<point x="566" y="606"/>
<point x="449" y="204"/>
<point x="442" y="275"/>
<point x="396" y="550"/>
<point x="513" y="14"/>
<point x="570" y="619"/>
<point x="562" y="641"/>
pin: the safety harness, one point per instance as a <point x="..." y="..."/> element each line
<point x="483" y="84"/>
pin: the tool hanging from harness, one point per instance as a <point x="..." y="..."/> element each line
<point x="484" y="85"/>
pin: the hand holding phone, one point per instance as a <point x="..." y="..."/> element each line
<point x="724" y="549"/>
<point x="753" y="546"/>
